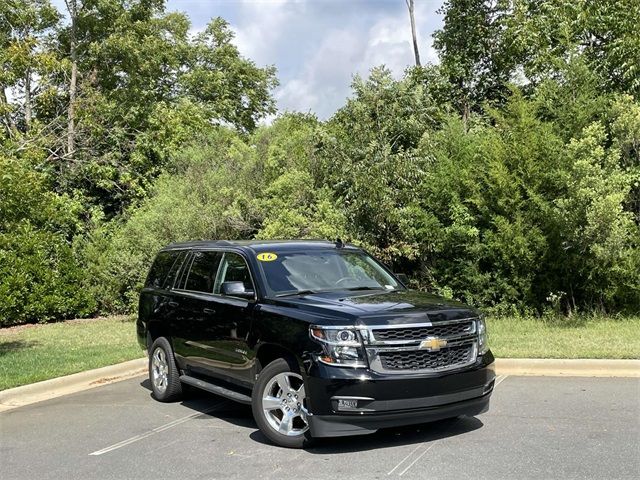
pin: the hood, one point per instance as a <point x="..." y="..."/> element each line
<point x="385" y="307"/>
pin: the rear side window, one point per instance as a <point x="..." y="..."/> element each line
<point x="160" y="269"/>
<point x="203" y="272"/>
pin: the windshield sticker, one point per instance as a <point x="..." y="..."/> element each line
<point x="266" y="257"/>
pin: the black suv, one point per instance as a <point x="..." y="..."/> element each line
<point x="319" y="337"/>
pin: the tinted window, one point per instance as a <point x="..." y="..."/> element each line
<point x="171" y="276"/>
<point x="203" y="272"/>
<point x="160" y="269"/>
<point x="234" y="269"/>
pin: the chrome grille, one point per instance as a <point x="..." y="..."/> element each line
<point x="465" y="327"/>
<point x="421" y="359"/>
<point x="397" y="349"/>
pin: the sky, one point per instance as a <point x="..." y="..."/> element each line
<point x="318" y="45"/>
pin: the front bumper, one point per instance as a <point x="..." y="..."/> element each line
<point x="356" y="401"/>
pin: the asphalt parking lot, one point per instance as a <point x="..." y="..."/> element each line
<point x="538" y="427"/>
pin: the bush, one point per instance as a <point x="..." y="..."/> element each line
<point x="40" y="278"/>
<point x="223" y="187"/>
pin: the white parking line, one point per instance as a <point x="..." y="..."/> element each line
<point x="419" y="457"/>
<point x="500" y="379"/>
<point x="403" y="460"/>
<point x="159" y="429"/>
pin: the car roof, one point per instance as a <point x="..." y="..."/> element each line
<point x="258" y="246"/>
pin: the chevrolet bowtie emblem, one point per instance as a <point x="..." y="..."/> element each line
<point x="433" y="344"/>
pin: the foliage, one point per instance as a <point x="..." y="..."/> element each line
<point x="508" y="175"/>
<point x="514" y="215"/>
<point x="366" y="152"/>
<point x="223" y="187"/>
<point x="39" y="274"/>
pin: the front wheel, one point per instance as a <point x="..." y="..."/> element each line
<point x="278" y="404"/>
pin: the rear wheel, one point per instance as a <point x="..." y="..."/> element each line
<point x="278" y="405"/>
<point x="163" y="372"/>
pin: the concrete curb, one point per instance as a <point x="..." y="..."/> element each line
<point x="568" y="367"/>
<point x="56" y="387"/>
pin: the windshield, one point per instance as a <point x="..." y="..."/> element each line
<point x="292" y="273"/>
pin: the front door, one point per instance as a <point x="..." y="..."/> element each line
<point x="234" y="319"/>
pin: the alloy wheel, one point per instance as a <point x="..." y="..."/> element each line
<point x="160" y="370"/>
<point x="283" y="404"/>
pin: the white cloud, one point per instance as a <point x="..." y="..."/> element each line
<point x="322" y="83"/>
<point x="318" y="45"/>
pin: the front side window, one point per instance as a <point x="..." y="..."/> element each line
<point x="234" y="269"/>
<point x="201" y="277"/>
<point x="326" y="270"/>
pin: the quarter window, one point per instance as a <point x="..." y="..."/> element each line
<point x="203" y="272"/>
<point x="171" y="277"/>
<point x="159" y="270"/>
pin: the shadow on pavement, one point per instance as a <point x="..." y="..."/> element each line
<point x="398" y="436"/>
<point x="241" y="416"/>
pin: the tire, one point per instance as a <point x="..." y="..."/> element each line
<point x="276" y="400"/>
<point x="163" y="372"/>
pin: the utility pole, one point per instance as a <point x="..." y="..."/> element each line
<point x="72" y="8"/>
<point x="413" y="31"/>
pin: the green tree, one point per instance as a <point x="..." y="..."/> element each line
<point x="26" y="59"/>
<point x="135" y="63"/>
<point x="476" y="54"/>
<point x="366" y="153"/>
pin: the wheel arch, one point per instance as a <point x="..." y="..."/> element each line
<point x="268" y="352"/>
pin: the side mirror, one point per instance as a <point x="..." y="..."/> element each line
<point x="236" y="289"/>
<point x="402" y="277"/>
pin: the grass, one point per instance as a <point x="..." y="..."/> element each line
<point x="578" y="337"/>
<point x="31" y="353"/>
<point x="38" y="352"/>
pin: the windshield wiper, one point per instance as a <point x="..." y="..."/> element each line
<point x="297" y="292"/>
<point x="354" y="289"/>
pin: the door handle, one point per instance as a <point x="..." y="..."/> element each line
<point x="209" y="310"/>
<point x="174" y="304"/>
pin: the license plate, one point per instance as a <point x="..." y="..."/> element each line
<point x="347" y="403"/>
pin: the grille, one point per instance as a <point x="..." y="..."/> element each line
<point x="419" y="360"/>
<point x="420" y="333"/>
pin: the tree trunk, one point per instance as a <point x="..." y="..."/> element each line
<point x="4" y="106"/>
<point x="71" y="113"/>
<point x="27" y="100"/>
<point x="413" y="31"/>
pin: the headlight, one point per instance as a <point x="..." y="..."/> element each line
<point x="483" y="339"/>
<point x="342" y="346"/>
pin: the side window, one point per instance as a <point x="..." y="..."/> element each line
<point x="160" y="269"/>
<point x="171" y="277"/>
<point x="203" y="272"/>
<point x="233" y="269"/>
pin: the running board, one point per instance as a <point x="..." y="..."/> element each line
<point x="212" y="388"/>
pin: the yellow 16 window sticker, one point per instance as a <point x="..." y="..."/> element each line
<point x="266" y="257"/>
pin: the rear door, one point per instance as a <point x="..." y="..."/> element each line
<point x="194" y="325"/>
